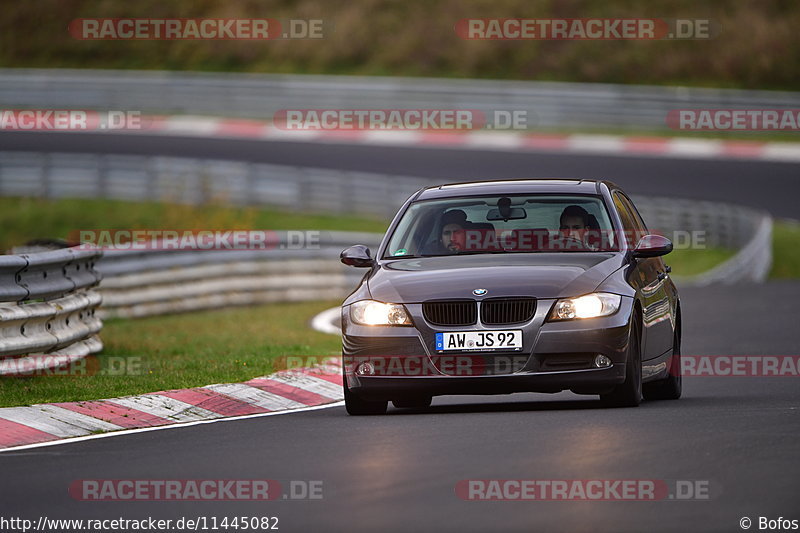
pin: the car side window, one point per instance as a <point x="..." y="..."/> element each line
<point x="637" y="218"/>
<point x="633" y="231"/>
<point x="628" y="223"/>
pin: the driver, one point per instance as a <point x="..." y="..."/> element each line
<point x="573" y="224"/>
<point x="451" y="222"/>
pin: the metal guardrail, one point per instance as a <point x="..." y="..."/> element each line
<point x="751" y="263"/>
<point x="747" y="230"/>
<point x="548" y="104"/>
<point x="47" y="309"/>
<point x="197" y="181"/>
<point x="715" y="224"/>
<point x="154" y="282"/>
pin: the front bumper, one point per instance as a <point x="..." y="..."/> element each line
<point x="555" y="356"/>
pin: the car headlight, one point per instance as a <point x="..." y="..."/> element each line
<point x="588" y="306"/>
<point x="372" y="313"/>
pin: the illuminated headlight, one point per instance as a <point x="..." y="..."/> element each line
<point x="372" y="313"/>
<point x="588" y="306"/>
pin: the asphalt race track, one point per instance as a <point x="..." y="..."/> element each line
<point x="398" y="472"/>
<point x="738" y="435"/>
<point x="773" y="186"/>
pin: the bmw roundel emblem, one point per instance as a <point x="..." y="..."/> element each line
<point x="479" y="292"/>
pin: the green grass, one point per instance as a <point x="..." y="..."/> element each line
<point x="689" y="261"/>
<point x="22" y="219"/>
<point x="187" y="350"/>
<point x="785" y="250"/>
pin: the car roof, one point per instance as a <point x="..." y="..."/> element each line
<point x="510" y="187"/>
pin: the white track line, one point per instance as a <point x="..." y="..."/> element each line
<point x="694" y="148"/>
<point x="191" y="125"/>
<point x="161" y="428"/>
<point x="781" y="152"/>
<point x="596" y="143"/>
<point x="324" y="321"/>
<point x="497" y="140"/>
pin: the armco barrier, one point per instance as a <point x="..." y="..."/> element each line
<point x="197" y="181"/>
<point x="153" y="282"/>
<point x="47" y="309"/>
<point x="547" y="104"/>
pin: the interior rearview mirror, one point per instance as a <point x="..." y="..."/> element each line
<point x="513" y="213"/>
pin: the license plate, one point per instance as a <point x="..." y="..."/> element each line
<point x="479" y="341"/>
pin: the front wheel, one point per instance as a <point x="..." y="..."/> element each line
<point x="629" y="392"/>
<point x="356" y="406"/>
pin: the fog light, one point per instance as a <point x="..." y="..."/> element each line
<point x="365" y="369"/>
<point x="601" y="361"/>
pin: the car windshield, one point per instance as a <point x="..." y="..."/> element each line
<point x="503" y="224"/>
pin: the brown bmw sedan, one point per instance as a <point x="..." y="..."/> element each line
<point x="512" y="286"/>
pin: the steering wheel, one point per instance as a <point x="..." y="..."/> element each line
<point x="568" y="243"/>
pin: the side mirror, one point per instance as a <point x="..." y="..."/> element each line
<point x="652" y="246"/>
<point x="357" y="256"/>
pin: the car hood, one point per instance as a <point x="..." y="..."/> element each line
<point x="540" y="275"/>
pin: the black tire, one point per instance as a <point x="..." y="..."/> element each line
<point x="669" y="388"/>
<point x="629" y="392"/>
<point x="418" y="402"/>
<point x="357" y="407"/>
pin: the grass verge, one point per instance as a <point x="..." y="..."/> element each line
<point x="785" y="250"/>
<point x="23" y="219"/>
<point x="687" y="262"/>
<point x="180" y="351"/>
